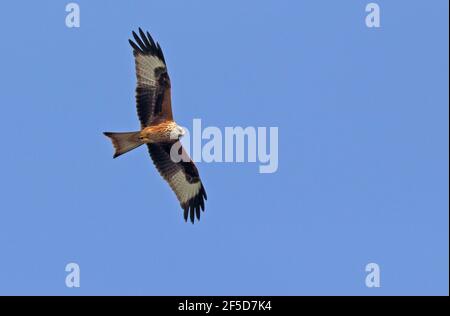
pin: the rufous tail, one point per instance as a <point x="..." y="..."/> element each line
<point x="124" y="142"/>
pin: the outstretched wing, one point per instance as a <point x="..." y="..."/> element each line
<point x="182" y="177"/>
<point x="153" y="98"/>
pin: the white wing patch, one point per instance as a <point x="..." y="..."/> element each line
<point x="145" y="69"/>
<point x="182" y="188"/>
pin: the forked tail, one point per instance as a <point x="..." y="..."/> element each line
<point x="124" y="142"/>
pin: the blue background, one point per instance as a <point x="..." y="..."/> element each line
<point x="363" y="149"/>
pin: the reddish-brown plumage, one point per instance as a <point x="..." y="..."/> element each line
<point x="159" y="133"/>
<point x="158" y="130"/>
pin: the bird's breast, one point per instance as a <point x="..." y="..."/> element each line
<point x="158" y="133"/>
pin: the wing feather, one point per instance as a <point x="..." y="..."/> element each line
<point x="153" y="95"/>
<point x="182" y="176"/>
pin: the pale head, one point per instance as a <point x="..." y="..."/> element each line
<point x="177" y="132"/>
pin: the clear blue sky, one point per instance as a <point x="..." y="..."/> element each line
<point x="363" y="149"/>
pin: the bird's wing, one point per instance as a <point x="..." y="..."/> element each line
<point x="182" y="177"/>
<point x="153" y="98"/>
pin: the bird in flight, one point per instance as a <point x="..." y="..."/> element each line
<point x="158" y="129"/>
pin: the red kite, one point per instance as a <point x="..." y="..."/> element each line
<point x="158" y="129"/>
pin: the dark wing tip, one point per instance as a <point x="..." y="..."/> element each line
<point x="203" y="192"/>
<point x="159" y="52"/>
<point x="197" y="212"/>
<point x="186" y="211"/>
<point x="193" y="206"/>
<point x="135" y="47"/>
<point x="145" y="44"/>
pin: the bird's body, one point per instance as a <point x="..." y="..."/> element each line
<point x="158" y="130"/>
<point x="163" y="132"/>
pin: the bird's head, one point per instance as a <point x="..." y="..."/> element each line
<point x="177" y="132"/>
